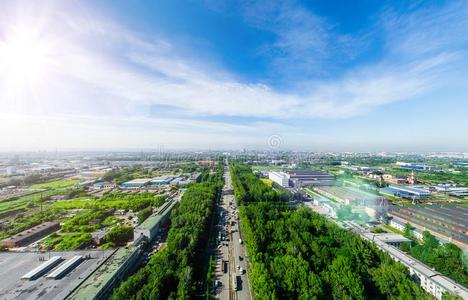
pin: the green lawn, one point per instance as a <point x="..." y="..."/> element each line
<point x="22" y="202"/>
<point x="267" y="168"/>
<point x="86" y="202"/>
<point x="56" y="184"/>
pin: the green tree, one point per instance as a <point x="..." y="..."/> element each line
<point x="119" y="235"/>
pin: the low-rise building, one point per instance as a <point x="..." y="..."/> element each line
<point x="149" y="228"/>
<point x="136" y="183"/>
<point x="30" y="235"/>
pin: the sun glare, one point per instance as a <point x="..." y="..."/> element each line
<point x="23" y="58"/>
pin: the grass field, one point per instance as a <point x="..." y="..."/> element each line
<point x="56" y="184"/>
<point x="86" y="202"/>
<point x="267" y="168"/>
<point x="22" y="202"/>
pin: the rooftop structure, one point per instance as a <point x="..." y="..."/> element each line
<point x="43" y="268"/>
<point x="446" y="222"/>
<point x="136" y="183"/>
<point x="14" y="265"/>
<point x="393" y="239"/>
<point x="100" y="283"/>
<point x="301" y="178"/>
<point x="30" y="235"/>
<point x="66" y="267"/>
<point x="406" y="191"/>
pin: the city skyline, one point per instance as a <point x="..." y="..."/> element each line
<point x="384" y="76"/>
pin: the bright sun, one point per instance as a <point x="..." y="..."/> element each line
<point x="23" y="58"/>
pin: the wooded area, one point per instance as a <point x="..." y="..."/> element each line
<point x="298" y="254"/>
<point x="172" y="273"/>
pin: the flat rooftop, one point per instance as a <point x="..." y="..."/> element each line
<point x="155" y="218"/>
<point x="138" y="181"/>
<point x="391" y="237"/>
<point x="99" y="279"/>
<point x="13" y="265"/>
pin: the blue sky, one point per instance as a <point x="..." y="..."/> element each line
<point x="316" y="75"/>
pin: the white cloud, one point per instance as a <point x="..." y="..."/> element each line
<point x="98" y="68"/>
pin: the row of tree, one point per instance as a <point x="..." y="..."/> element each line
<point x="298" y="254"/>
<point x="173" y="272"/>
<point x="446" y="258"/>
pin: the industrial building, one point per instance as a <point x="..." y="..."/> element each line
<point x="310" y="178"/>
<point x="406" y="192"/>
<point x="279" y="178"/>
<point x="136" y="183"/>
<point x="30" y="235"/>
<point x="149" y="228"/>
<point x="410" y="166"/>
<point x="445" y="222"/>
<point x="301" y="178"/>
<point x="100" y="283"/>
<point x="373" y="205"/>
<point x="401" y="226"/>
<point x="163" y="180"/>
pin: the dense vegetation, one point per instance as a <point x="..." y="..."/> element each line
<point x="119" y="235"/>
<point x="298" y="254"/>
<point x="22" y="222"/>
<point x="431" y="177"/>
<point x="116" y="200"/>
<point x="446" y="258"/>
<point x="69" y="241"/>
<point x="172" y="273"/>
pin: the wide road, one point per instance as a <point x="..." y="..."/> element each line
<point x="231" y="252"/>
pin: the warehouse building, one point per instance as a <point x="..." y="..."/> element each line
<point x="136" y="183"/>
<point x="310" y="178"/>
<point x="280" y="178"/>
<point x="406" y="192"/>
<point x="149" y="228"/>
<point x="300" y="178"/>
<point x="30" y="235"/>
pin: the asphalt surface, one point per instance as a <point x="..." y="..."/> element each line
<point x="234" y="280"/>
